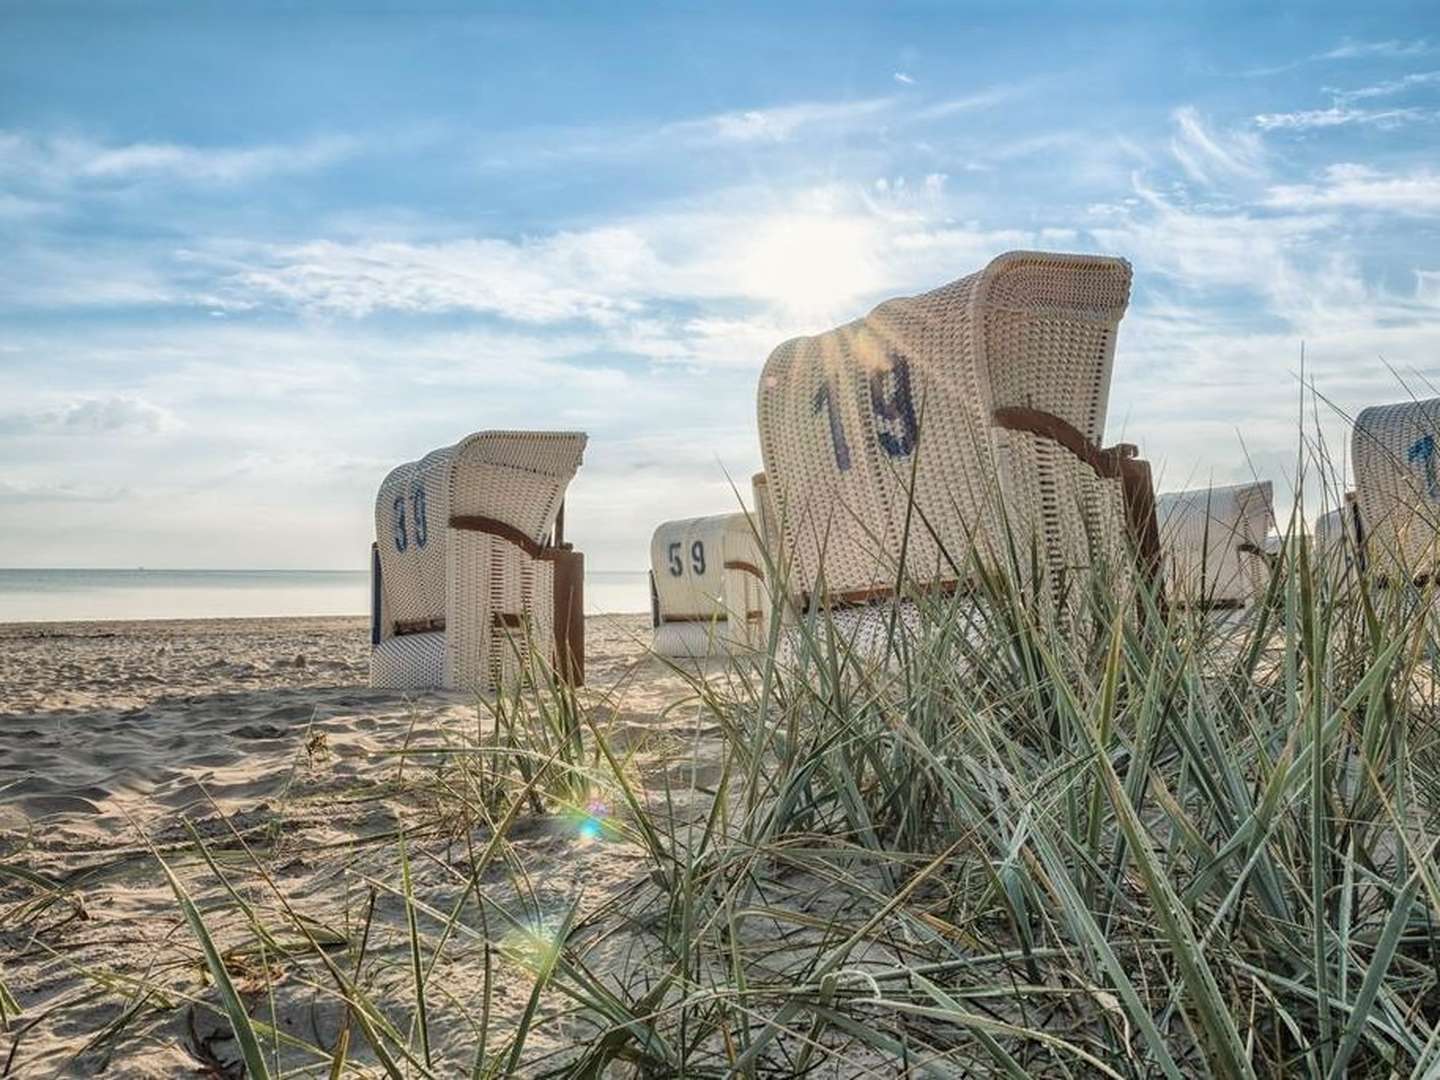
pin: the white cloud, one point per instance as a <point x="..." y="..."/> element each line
<point x="57" y="161"/>
<point x="106" y="416"/>
<point x="1389" y="87"/>
<point x="1208" y="156"/>
<point x="779" y="123"/>
<point x="1362" y="187"/>
<point x="1351" y="50"/>
<point x="793" y="257"/>
<point x="904" y="79"/>
<point x="1337" y="116"/>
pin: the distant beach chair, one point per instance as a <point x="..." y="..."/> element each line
<point x="1214" y="542"/>
<point x="1397" y="487"/>
<point x="966" y="418"/>
<point x="1335" y="538"/>
<point x="707" y="586"/>
<point x="472" y="581"/>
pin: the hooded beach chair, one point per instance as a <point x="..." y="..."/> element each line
<point x="963" y="419"/>
<point x="1214" y="544"/>
<point x="1397" y="486"/>
<point x="473" y="586"/>
<point x="707" y="586"/>
<point x="1335" y="538"/>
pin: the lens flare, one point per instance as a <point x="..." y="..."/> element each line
<point x="592" y="825"/>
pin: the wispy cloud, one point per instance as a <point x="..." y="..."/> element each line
<point x="105" y="416"/>
<point x="1208" y="156"/>
<point x="903" y="78"/>
<point x="1388" y="88"/>
<point x="778" y="123"/>
<point x="1363" y="187"/>
<point x="1350" y="49"/>
<point x="1338" y="116"/>
<point x="42" y="161"/>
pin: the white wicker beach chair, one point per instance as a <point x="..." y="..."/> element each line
<point x="1214" y="544"/>
<point x="1395" y="450"/>
<point x="964" y="418"/>
<point x="1335" y="538"/>
<point x="707" y="583"/>
<point x="473" y="582"/>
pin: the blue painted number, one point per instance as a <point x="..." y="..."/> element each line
<point x="397" y="523"/>
<point x="421" y="525"/>
<point x="825" y="400"/>
<point x="891" y="402"/>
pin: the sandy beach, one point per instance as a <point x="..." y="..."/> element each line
<point x="264" y="736"/>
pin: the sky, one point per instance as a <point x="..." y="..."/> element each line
<point x="252" y="256"/>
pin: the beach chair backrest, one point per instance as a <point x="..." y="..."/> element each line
<point x="412" y="512"/>
<point x="881" y="437"/>
<point x="504" y="592"/>
<point x="709" y="581"/>
<point x="1214" y="540"/>
<point x="1395" y="452"/>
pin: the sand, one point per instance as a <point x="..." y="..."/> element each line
<point x="112" y="735"/>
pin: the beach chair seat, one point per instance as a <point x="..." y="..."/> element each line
<point x="957" y="425"/>
<point x="409" y="661"/>
<point x="1214" y="544"/>
<point x="470" y="561"/>
<point x="1397" y="487"/>
<point x="707" y="586"/>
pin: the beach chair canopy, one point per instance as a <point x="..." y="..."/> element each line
<point x="961" y="418"/>
<point x="1397" y="484"/>
<point x="472" y="583"/>
<point x="1214" y="541"/>
<point x="708" y="581"/>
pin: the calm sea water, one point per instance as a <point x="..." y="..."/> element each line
<point x="60" y="595"/>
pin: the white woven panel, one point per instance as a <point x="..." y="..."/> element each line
<point x="411" y="514"/>
<point x="489" y="577"/>
<point x="843" y="416"/>
<point x="518" y="477"/>
<point x="408" y="662"/>
<point x="695" y="585"/>
<point x="1395" y="450"/>
<point x="698" y="640"/>
<point x="1334" y="544"/>
<point x="1200" y="534"/>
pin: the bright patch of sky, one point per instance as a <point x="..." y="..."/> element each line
<point x="255" y="255"/>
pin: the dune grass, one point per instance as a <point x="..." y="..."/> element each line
<point x="1169" y="843"/>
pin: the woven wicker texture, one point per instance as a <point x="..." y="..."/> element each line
<point x="409" y="662"/>
<point x="502" y="613"/>
<point x="411" y="514"/>
<point x="1394" y="451"/>
<point x="1202" y="533"/>
<point x="709" y="581"/>
<point x="848" y="419"/>
<point x="494" y="600"/>
<point x="1335" y="544"/>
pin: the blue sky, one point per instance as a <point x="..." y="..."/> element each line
<point x="253" y="255"/>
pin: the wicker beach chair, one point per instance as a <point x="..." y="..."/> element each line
<point x="1394" y="452"/>
<point x="964" y="420"/>
<point x="1214" y="544"/>
<point x="707" y="586"/>
<point x="473" y="583"/>
<point x="1335" y="539"/>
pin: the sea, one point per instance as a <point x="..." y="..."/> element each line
<point x="76" y="595"/>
